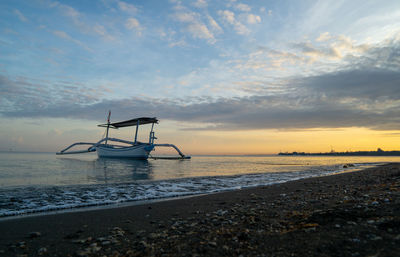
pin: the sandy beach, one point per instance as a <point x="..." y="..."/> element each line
<point x="349" y="214"/>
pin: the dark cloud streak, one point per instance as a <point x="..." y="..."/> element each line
<point x="364" y="94"/>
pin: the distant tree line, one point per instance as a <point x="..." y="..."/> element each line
<point x="378" y="152"/>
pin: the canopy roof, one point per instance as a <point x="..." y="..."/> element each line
<point x="131" y="123"/>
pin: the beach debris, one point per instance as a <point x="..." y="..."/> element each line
<point x="42" y="250"/>
<point x="82" y="253"/>
<point x="221" y="212"/>
<point x="79" y="241"/>
<point x="212" y="243"/>
<point x="101" y="239"/>
<point x="106" y="242"/>
<point x="22" y="244"/>
<point x="115" y="254"/>
<point x="92" y="249"/>
<point x="117" y="231"/>
<point x="34" y="234"/>
<point x="376" y="238"/>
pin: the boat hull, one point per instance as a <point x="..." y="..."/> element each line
<point x="133" y="152"/>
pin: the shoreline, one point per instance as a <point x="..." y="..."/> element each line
<point x="99" y="206"/>
<point x="348" y="214"/>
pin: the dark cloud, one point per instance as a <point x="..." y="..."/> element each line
<point x="364" y="94"/>
<point x="361" y="84"/>
<point x="24" y="95"/>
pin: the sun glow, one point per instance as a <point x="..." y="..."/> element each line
<point x="275" y="141"/>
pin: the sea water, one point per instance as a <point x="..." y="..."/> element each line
<point x="43" y="182"/>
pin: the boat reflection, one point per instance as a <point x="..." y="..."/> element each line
<point x="115" y="170"/>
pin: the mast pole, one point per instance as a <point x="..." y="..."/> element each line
<point x="108" y="124"/>
<point x="151" y="134"/>
<point x="137" y="127"/>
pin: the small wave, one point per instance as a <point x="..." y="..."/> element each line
<point x="18" y="201"/>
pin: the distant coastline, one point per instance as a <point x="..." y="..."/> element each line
<point x="378" y="152"/>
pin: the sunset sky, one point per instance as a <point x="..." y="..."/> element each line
<point x="223" y="77"/>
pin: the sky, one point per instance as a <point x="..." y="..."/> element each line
<point x="222" y="76"/>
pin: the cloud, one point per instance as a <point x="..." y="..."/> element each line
<point x="64" y="35"/>
<point x="280" y="57"/>
<point x="243" y="7"/>
<point x="61" y="34"/>
<point x="214" y="25"/>
<point x="364" y="93"/>
<point x="366" y="84"/>
<point x="328" y="51"/>
<point x="324" y="37"/>
<point x="77" y="19"/>
<point x="129" y="8"/>
<point x="195" y="26"/>
<point x="253" y="19"/>
<point x="347" y="46"/>
<point x="317" y="52"/>
<point x="200" y="4"/>
<point x="20" y="16"/>
<point x="199" y="30"/>
<point x="264" y="10"/>
<point x="170" y="36"/>
<point x="133" y="24"/>
<point x="42" y="95"/>
<point x="100" y="30"/>
<point x="186" y="17"/>
<point x="68" y="11"/>
<point x="229" y="17"/>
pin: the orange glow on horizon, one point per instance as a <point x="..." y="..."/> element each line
<point x="195" y="142"/>
<point x="275" y="141"/>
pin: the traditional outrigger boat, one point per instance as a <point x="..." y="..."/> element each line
<point x="130" y="149"/>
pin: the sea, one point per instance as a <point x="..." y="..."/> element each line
<point x="43" y="183"/>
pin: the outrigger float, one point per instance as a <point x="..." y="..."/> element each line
<point x="130" y="149"/>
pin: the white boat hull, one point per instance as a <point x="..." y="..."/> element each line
<point x="134" y="152"/>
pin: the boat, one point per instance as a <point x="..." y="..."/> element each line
<point x="124" y="148"/>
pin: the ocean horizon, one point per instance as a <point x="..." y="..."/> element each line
<point x="43" y="182"/>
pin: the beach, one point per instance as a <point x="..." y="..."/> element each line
<point x="348" y="214"/>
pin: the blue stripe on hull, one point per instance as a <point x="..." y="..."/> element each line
<point x="134" y="152"/>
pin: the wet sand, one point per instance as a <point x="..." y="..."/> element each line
<point x="349" y="214"/>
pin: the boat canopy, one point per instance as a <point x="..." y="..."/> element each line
<point x="130" y="123"/>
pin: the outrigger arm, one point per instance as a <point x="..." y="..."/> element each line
<point x="92" y="148"/>
<point x="176" y="148"/>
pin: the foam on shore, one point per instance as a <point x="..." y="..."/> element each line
<point x="28" y="200"/>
